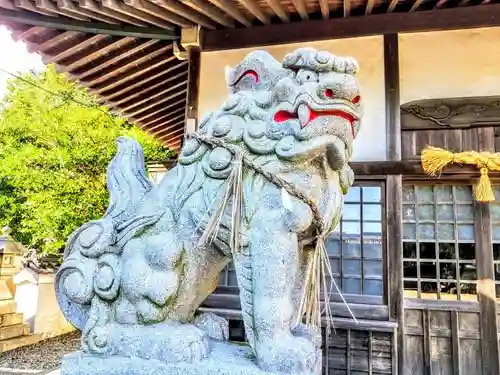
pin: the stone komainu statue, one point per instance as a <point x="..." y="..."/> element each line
<point x="268" y="172"/>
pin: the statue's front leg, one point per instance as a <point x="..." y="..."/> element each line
<point x="276" y="267"/>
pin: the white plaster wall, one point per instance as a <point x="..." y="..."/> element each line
<point x="370" y="144"/>
<point x="449" y="64"/>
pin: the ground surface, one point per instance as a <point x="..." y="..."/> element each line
<point x="44" y="355"/>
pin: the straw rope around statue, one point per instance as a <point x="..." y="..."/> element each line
<point x="319" y="267"/>
<point x="435" y="159"/>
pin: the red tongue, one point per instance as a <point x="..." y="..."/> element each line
<point x="282" y="116"/>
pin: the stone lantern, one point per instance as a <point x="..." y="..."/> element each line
<point x="10" y="263"/>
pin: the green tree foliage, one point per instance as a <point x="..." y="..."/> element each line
<point x="53" y="158"/>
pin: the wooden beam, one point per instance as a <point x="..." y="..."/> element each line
<point x="148" y="89"/>
<point x="347" y="8"/>
<point x="120" y="7"/>
<point x="186" y="12"/>
<point x="230" y="8"/>
<point x="394" y="193"/>
<point x="108" y="69"/>
<point x="325" y="9"/>
<point x="151" y="98"/>
<point x="139" y="83"/>
<point x="30" y="7"/>
<point x="53" y="42"/>
<point x="375" y="24"/>
<point x="161" y="110"/>
<point x="416" y="5"/>
<point x="138" y="72"/>
<point x="49" y="6"/>
<point x="210" y="11"/>
<point x="179" y="119"/>
<point x="77" y="47"/>
<point x="277" y="8"/>
<point x="392" y="5"/>
<point x="191" y="119"/>
<point x="28" y="18"/>
<point x="159" y="12"/>
<point x="108" y="49"/>
<point x="155" y="104"/>
<point x="96" y="7"/>
<point x="254" y="8"/>
<point x="300" y="5"/>
<point x="70" y="6"/>
<point x="369" y="7"/>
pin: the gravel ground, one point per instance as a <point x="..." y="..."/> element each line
<point x="44" y="355"/>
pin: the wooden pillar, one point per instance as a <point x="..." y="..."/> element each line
<point x="394" y="197"/>
<point x="190" y="39"/>
<point x="485" y="272"/>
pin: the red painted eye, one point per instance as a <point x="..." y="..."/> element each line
<point x="329" y="93"/>
<point x="356" y="99"/>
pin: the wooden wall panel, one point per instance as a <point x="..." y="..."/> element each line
<point x="442" y="342"/>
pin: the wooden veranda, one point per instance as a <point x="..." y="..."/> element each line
<point x="142" y="59"/>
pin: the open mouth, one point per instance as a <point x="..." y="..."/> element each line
<point x="305" y="115"/>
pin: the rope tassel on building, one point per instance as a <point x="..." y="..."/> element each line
<point x="435" y="159"/>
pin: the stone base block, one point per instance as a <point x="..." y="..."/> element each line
<point x="224" y="359"/>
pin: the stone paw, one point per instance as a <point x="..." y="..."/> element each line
<point x="216" y="327"/>
<point x="288" y="354"/>
<point x="169" y="342"/>
<point x="309" y="333"/>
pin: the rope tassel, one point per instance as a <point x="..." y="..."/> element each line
<point x="435" y="159"/>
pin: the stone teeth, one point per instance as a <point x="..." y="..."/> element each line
<point x="303" y="114"/>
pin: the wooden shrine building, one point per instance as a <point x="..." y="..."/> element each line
<point x="417" y="258"/>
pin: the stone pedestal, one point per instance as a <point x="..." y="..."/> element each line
<point x="224" y="359"/>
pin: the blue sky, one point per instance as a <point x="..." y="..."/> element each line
<point x="15" y="58"/>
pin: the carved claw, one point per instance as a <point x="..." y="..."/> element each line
<point x="216" y="327"/>
<point x="309" y="333"/>
<point x="288" y="354"/>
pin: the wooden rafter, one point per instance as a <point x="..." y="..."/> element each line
<point x="106" y="69"/>
<point x="62" y="37"/>
<point x="325" y="9"/>
<point x="168" y="115"/>
<point x="175" y="6"/>
<point x="130" y="11"/>
<point x="150" y="115"/>
<point x="54" y="59"/>
<point x="145" y="81"/>
<point x="151" y="98"/>
<point x="32" y="19"/>
<point x="109" y="49"/>
<point x="69" y="6"/>
<point x="171" y="120"/>
<point x="30" y="7"/>
<point x="416" y="5"/>
<point x="277" y="8"/>
<point x="148" y="89"/>
<point x="122" y="81"/>
<point x="96" y="7"/>
<point x="157" y="11"/>
<point x="300" y="5"/>
<point x="157" y="103"/>
<point x="254" y="8"/>
<point x="392" y="5"/>
<point x="49" y="6"/>
<point x="347" y="8"/>
<point x="369" y="6"/>
<point x="180" y="130"/>
<point x="210" y="11"/>
<point x="231" y="9"/>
